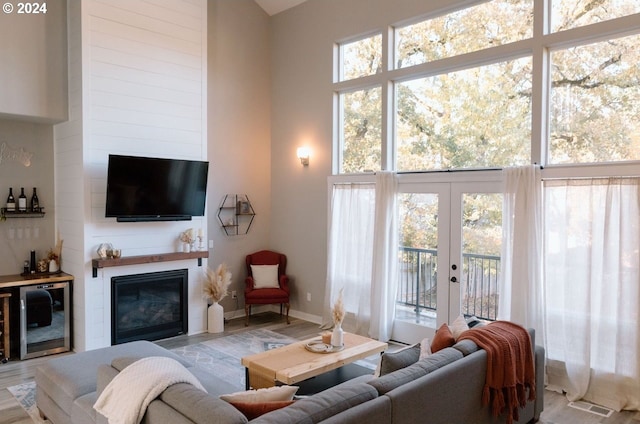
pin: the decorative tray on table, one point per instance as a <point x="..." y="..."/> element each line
<point x="317" y="346"/>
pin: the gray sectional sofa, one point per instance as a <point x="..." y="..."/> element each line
<point x="445" y="387"/>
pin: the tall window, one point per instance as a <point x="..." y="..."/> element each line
<point x="475" y="118"/>
<point x="501" y="83"/>
<point x="491" y="85"/>
<point x="475" y="28"/>
<point x="360" y="110"/>
<point x="595" y="102"/>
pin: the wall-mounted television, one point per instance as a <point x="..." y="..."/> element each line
<point x="155" y="189"/>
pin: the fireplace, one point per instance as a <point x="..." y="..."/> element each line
<point x="149" y="306"/>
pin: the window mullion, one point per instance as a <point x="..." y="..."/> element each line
<point x="540" y="84"/>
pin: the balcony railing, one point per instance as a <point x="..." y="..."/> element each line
<point x="417" y="287"/>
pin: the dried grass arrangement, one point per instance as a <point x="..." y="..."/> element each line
<point x="55" y="253"/>
<point x="217" y="283"/>
<point x="338" y="310"/>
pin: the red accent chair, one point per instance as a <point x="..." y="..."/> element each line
<point x="271" y="295"/>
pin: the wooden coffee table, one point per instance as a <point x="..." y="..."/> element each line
<point x="294" y="363"/>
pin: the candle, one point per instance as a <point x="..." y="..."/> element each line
<point x="199" y="232"/>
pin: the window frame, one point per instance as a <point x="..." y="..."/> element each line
<point x="538" y="47"/>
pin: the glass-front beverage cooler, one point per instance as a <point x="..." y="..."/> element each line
<point x="45" y="319"/>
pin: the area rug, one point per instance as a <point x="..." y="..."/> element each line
<point x="25" y="394"/>
<point x="222" y="356"/>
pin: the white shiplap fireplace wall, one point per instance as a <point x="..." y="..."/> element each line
<point x="137" y="86"/>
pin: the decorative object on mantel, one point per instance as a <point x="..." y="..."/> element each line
<point x="15" y="154"/>
<point x="200" y="238"/>
<point x="337" y="337"/>
<point x="215" y="289"/>
<point x="105" y="250"/>
<point x="188" y="240"/>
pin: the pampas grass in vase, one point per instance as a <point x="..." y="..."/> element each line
<point x="337" y="337"/>
<point x="216" y="288"/>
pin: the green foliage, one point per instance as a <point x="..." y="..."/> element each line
<point x="480" y="117"/>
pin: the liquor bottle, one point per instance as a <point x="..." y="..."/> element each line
<point x="35" y="204"/>
<point x="11" y="201"/>
<point x="32" y="263"/>
<point x="22" y="201"/>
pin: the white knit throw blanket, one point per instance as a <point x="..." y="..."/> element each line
<point x="126" y="397"/>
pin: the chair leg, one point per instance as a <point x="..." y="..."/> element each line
<point x="247" y="312"/>
<point x="288" y="322"/>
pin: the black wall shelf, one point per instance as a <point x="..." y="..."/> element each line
<point x="17" y="214"/>
<point x="236" y="214"/>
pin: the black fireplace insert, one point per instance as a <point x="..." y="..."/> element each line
<point x="149" y="306"/>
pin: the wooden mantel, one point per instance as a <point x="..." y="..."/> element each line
<point x="147" y="259"/>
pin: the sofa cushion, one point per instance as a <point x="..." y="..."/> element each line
<point x="123" y="362"/>
<point x="253" y="410"/>
<point x="321" y="406"/>
<point x="439" y="359"/>
<point x="421" y="368"/>
<point x="458" y="326"/>
<point x="466" y="347"/>
<point x="82" y="411"/>
<point x="442" y="339"/>
<point x="375" y="411"/>
<point x="392" y="361"/>
<point x="199" y="406"/>
<point x="270" y="394"/>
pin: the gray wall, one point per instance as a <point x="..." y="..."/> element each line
<point x="33" y="64"/>
<point x="302" y="41"/>
<point x="239" y="147"/>
<point x="19" y="235"/>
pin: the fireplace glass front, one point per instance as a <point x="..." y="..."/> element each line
<point x="149" y="306"/>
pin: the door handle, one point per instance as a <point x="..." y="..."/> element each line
<point x="454" y="280"/>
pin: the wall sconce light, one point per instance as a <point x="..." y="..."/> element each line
<point x="303" y="155"/>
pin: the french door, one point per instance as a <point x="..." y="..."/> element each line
<point x="449" y="255"/>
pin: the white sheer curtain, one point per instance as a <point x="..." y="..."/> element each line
<point x="350" y="247"/>
<point x="385" y="257"/>
<point x="362" y="255"/>
<point x="592" y="288"/>
<point x="521" y="291"/>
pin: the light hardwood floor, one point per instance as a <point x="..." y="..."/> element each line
<point x="555" y="411"/>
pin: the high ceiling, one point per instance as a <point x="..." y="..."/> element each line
<point x="276" y="6"/>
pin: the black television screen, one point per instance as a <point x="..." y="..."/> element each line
<point x="155" y="189"/>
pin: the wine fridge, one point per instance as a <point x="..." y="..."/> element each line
<point x="45" y="319"/>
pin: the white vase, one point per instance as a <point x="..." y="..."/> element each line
<point x="53" y="265"/>
<point x="186" y="248"/>
<point x="337" y="336"/>
<point x="215" y="318"/>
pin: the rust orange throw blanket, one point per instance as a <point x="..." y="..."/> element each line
<point x="510" y="368"/>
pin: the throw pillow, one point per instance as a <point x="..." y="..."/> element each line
<point x="442" y="339"/>
<point x="392" y="361"/>
<point x="270" y="394"/>
<point x="458" y="327"/>
<point x="265" y="276"/>
<point x="425" y="348"/>
<point x="253" y="410"/>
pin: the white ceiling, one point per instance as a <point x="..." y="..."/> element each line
<point x="276" y="6"/>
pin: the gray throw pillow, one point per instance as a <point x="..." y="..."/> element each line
<point x="392" y="361"/>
